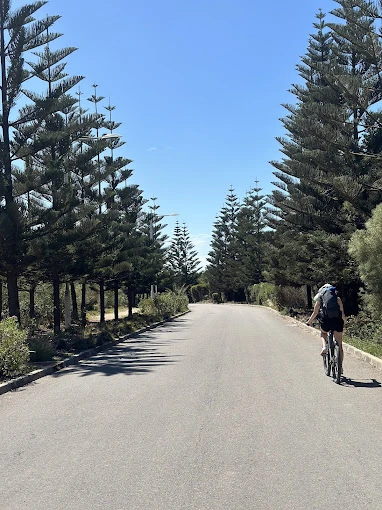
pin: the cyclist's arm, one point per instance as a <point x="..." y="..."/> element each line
<point x="342" y="309"/>
<point x="315" y="312"/>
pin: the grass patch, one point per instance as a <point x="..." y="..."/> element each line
<point x="365" y="345"/>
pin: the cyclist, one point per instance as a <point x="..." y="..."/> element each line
<point x="331" y="316"/>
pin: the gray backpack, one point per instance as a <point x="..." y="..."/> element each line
<point x="329" y="304"/>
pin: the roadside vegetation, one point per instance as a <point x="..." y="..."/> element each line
<point x="22" y="350"/>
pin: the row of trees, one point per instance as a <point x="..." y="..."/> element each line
<point x="238" y="254"/>
<point x="68" y="212"/>
<point x="329" y="179"/>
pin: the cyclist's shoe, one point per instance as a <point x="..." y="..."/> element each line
<point x="324" y="351"/>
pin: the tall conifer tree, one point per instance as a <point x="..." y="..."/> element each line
<point x="223" y="269"/>
<point x="20" y="34"/>
<point x="182" y="258"/>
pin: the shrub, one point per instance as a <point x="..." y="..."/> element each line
<point x="283" y="297"/>
<point x="199" y="292"/>
<point x="290" y="297"/>
<point x="215" y="297"/>
<point x="165" y="305"/>
<point x="364" y="327"/>
<point x="14" y="351"/>
<point x="104" y="337"/>
<point x="263" y="294"/>
<point x="147" y="307"/>
<point x="365" y="247"/>
<point x="74" y="340"/>
<point x="42" y="348"/>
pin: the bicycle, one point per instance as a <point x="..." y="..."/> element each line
<point x="332" y="359"/>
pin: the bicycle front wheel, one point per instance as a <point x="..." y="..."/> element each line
<point x="326" y="360"/>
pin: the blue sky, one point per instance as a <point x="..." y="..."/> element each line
<point x="198" y="87"/>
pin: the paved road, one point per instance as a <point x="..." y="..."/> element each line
<point x="227" y="408"/>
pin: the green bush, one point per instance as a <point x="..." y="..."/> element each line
<point x="215" y="297"/>
<point x="279" y="296"/>
<point x="199" y="292"/>
<point x="74" y="340"/>
<point x="14" y="351"/>
<point x="104" y="337"/>
<point x="165" y="305"/>
<point x="42" y="348"/>
<point x="365" y="247"/>
<point x="147" y="307"/>
<point x="263" y="294"/>
<point x="364" y="327"/>
<point x="290" y="297"/>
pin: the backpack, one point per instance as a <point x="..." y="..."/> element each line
<point x="329" y="304"/>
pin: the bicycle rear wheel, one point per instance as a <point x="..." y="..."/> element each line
<point x="330" y="355"/>
<point x="337" y="364"/>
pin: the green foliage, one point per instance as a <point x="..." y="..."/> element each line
<point x="282" y="297"/>
<point x="42" y="348"/>
<point x="263" y="294"/>
<point x="74" y="340"/>
<point x="165" y="305"/>
<point x="215" y="296"/>
<point x="104" y="337"/>
<point x="366" y="248"/>
<point x="147" y="307"/>
<point x="14" y="352"/>
<point x="182" y="259"/>
<point x="199" y="292"/>
<point x="237" y="256"/>
<point x="325" y="190"/>
<point x="290" y="297"/>
<point x="365" y="332"/>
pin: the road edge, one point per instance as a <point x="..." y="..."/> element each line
<point x="349" y="349"/>
<point x="23" y="380"/>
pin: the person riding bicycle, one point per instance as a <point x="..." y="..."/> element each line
<point x="331" y="316"/>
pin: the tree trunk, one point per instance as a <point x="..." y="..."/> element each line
<point x="10" y="211"/>
<point x="74" y="301"/>
<point x="13" y="296"/>
<point x="309" y="297"/>
<point x="83" y="304"/>
<point x="116" y="305"/>
<point x="68" y="318"/>
<point x="102" y="301"/>
<point x="32" y="293"/>
<point x="56" y="305"/>
<point x="130" y="298"/>
<point x="1" y="300"/>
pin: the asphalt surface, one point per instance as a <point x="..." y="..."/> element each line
<point x="226" y="408"/>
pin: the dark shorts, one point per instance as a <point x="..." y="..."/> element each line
<point x="334" y="324"/>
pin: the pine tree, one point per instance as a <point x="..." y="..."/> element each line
<point x="223" y="269"/>
<point x="20" y="34"/>
<point x="251" y="239"/>
<point x="66" y="172"/>
<point x="182" y="258"/>
<point x="320" y="199"/>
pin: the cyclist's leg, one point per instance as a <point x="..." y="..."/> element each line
<point x="338" y="338"/>
<point x="324" y="339"/>
<point x="338" y="333"/>
<point x="324" y="328"/>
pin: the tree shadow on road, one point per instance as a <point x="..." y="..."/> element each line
<point x="138" y="355"/>
<point x="362" y="383"/>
